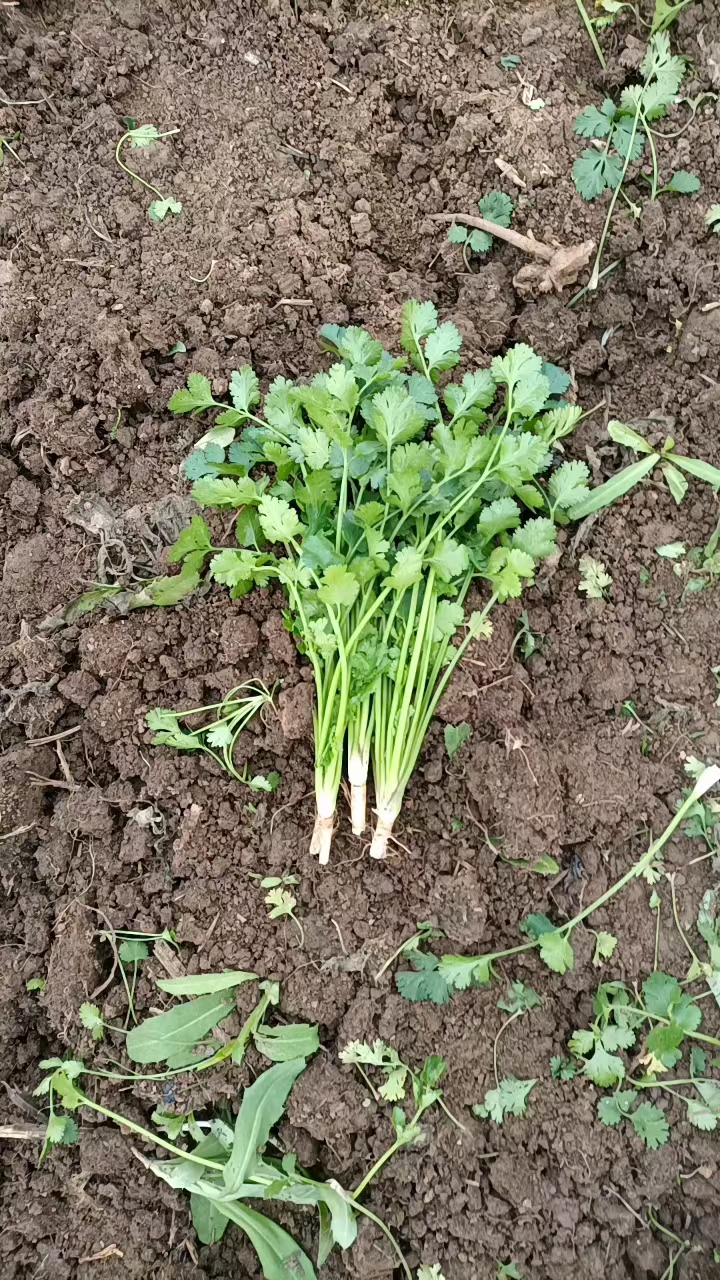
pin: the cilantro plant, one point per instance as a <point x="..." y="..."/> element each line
<point x="509" y="1097"/>
<point x="594" y="578"/>
<point x="436" y="978"/>
<point x="139" y="137"/>
<point x="217" y="738"/>
<point x="400" y="1080"/>
<point x="494" y="207"/>
<point x="385" y="498"/>
<point x="622" y="131"/>
<point x="655" y="1025"/>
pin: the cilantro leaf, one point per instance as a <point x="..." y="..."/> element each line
<point x="568" y="485"/>
<point x="612" y="1111"/>
<point x="520" y="998"/>
<point x="509" y="1099"/>
<point x="593" y="171"/>
<point x="424" y="981"/>
<point x="595" y="578"/>
<point x="158" y="209"/>
<point x="603" y="1068"/>
<point x="592" y="123"/>
<point x="650" y="1124"/>
<point x="605" y="944"/>
<point x="562" y="1069"/>
<point x="442" y="347"/>
<point x="556" y="951"/>
<point x="536" y="925"/>
<point x="407" y="569"/>
<point x="233" y="567"/>
<point x="225" y="491"/>
<point x="497" y="207"/>
<point x="244" y="389"/>
<point x="521" y="370"/>
<point x="338" y="586"/>
<point x="449" y="559"/>
<point x="418" y="320"/>
<point x="195" y="396"/>
<point x="496" y="517"/>
<point x="537" y="537"/>
<point x="660" y="992"/>
<point x="278" y="520"/>
<point x="90" y="1017"/>
<point x="61" y="1130"/>
<point x="394" y="416"/>
<point x="457" y="234"/>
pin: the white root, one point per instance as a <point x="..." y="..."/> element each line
<point x="383" y="832"/>
<point x="322" y="839"/>
<point x="358" y="801"/>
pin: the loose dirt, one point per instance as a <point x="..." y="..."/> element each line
<point x="314" y="141"/>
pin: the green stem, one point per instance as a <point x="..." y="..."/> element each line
<point x="591" y="33"/>
<point x="131" y="173"/>
<point x="594" y="280"/>
<point x="149" y="1137"/>
<point x="360" y="1208"/>
<point x="396" y="1146"/>
<point x="496" y="1041"/>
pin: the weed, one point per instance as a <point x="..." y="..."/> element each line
<point x="36" y="984"/>
<point x="712" y="218"/>
<point x="139" y="137"/>
<point x="545" y="865"/>
<point x="508" y="1271"/>
<point x="527" y="640"/>
<point x="227" y="1166"/>
<point x="455" y="735"/>
<point x="666" y="13"/>
<point x="562" y="1069"/>
<point x="432" y="1272"/>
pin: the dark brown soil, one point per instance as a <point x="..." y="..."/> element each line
<point x="314" y="138"/>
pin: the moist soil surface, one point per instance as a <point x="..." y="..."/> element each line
<point x="313" y="140"/>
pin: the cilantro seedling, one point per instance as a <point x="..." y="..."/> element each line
<point x="139" y="137"/>
<point x="424" y="1086"/>
<point x="594" y="578"/>
<point x="92" y="1019"/>
<point x="282" y="903"/>
<point x="508" y="1271"/>
<point x="430" y="1273"/>
<point x="494" y="207"/>
<point x="455" y="735"/>
<point x="457" y="973"/>
<point x="217" y="738"/>
<point x="562" y="1068"/>
<point x="425" y="932"/>
<point x="36" y="984"/>
<point x="712" y="218"/>
<point x="621" y="132"/>
<point x="380" y="495"/>
<point x="525" y="638"/>
<point x="509" y="61"/>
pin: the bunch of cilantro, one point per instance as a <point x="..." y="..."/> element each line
<point x="376" y="498"/>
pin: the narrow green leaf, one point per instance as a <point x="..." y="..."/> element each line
<point x="201" y="984"/>
<point x="282" y="1044"/>
<point x="262" y="1106"/>
<point x="605" y="494"/>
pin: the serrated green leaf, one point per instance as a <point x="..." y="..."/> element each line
<point x="338" y="586"/>
<point x="442" y="347"/>
<point x="592" y="123"/>
<point x="244" y="389"/>
<point x="496" y="517"/>
<point x="650" y="1124"/>
<point x="278" y="520"/>
<point x="159" y="209"/>
<point x="133" y="950"/>
<point x="194" y="397"/>
<point x="612" y="1111"/>
<point x="449" y="559"/>
<point x="497" y="207"/>
<point x="457" y="234"/>
<point x="224" y="491"/>
<point x="195" y="538"/>
<point x="605" y="944"/>
<point x="684" y="183"/>
<point x="556" y="951"/>
<point x="594" y="171"/>
<point x="535" y="925"/>
<point x="537" y="538"/>
<point x="509" y="1099"/>
<point x="424" y="981"/>
<point x="603" y="1068"/>
<point x="91" y="1018"/>
<point x="407" y="569"/>
<point x="521" y="370"/>
<point x="568" y="485"/>
<point x="594" y="578"/>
